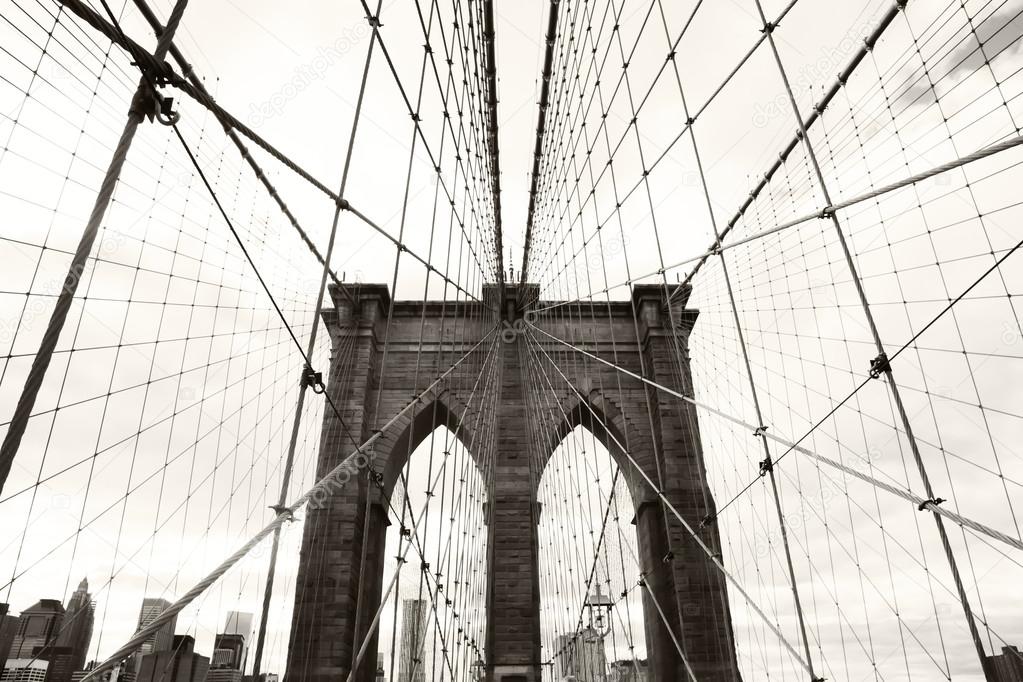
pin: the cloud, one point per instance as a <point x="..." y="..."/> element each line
<point x="999" y="34"/>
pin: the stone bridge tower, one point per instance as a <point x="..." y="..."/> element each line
<point x="690" y="591"/>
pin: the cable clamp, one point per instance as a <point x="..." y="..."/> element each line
<point x="933" y="501"/>
<point x="151" y="104"/>
<point x="706" y="520"/>
<point x="406" y="532"/>
<point x="166" y="114"/>
<point x="759" y="431"/>
<point x="668" y="558"/>
<point x="768" y="27"/>
<point x="879" y="366"/>
<point x="425" y="567"/>
<point x="313" y="379"/>
<point x="766" y="466"/>
<point x="280" y="509"/>
<point x="826" y="212"/>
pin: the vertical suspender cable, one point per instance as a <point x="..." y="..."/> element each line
<point x="304" y="384"/>
<point x="141" y="105"/>
<point x="882" y="360"/>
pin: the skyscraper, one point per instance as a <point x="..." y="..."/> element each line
<point x="76" y="631"/>
<point x="37" y="628"/>
<point x="238" y="623"/>
<point x="24" y="670"/>
<point x="581" y="656"/>
<point x="162" y="639"/>
<point x="38" y="632"/>
<point x="230" y="648"/>
<point x="8" y="629"/>
<point x="413" y="636"/>
<point x="177" y="663"/>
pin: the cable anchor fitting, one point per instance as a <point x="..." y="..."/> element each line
<point x="760" y="431"/>
<point x="151" y="104"/>
<point x="766" y="465"/>
<point x="879" y="366"/>
<point x="312" y="378"/>
<point x="706" y="520"/>
<point x="935" y="501"/>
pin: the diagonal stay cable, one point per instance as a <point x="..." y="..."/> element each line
<point x="793" y="446"/>
<point x="160" y="70"/>
<point x="287" y="513"/>
<point x="326" y="487"/>
<point x="711" y="556"/>
<point x="823" y="213"/>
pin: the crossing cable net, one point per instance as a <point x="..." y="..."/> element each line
<point x="875" y="234"/>
<point x="885" y="204"/>
<point x="161" y="429"/>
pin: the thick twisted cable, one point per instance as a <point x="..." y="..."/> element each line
<point x="324" y="486"/>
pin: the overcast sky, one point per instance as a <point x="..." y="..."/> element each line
<point x="183" y="341"/>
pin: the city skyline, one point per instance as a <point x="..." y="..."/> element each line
<point x="49" y="642"/>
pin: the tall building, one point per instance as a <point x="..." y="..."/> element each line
<point x="24" y="670"/>
<point x="178" y="663"/>
<point x="581" y="656"/>
<point x="238" y="623"/>
<point x="76" y="631"/>
<point x="628" y="670"/>
<point x="413" y="636"/>
<point x="38" y="627"/>
<point x="228" y="651"/>
<point x="8" y="629"/>
<point x="162" y="639"/>
<point x="228" y="662"/>
<point x="38" y="636"/>
<point x="1006" y="666"/>
<point x="122" y="672"/>
<point x="230" y="648"/>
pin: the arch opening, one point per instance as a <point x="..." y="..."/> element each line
<point x="591" y="610"/>
<point x="433" y="622"/>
